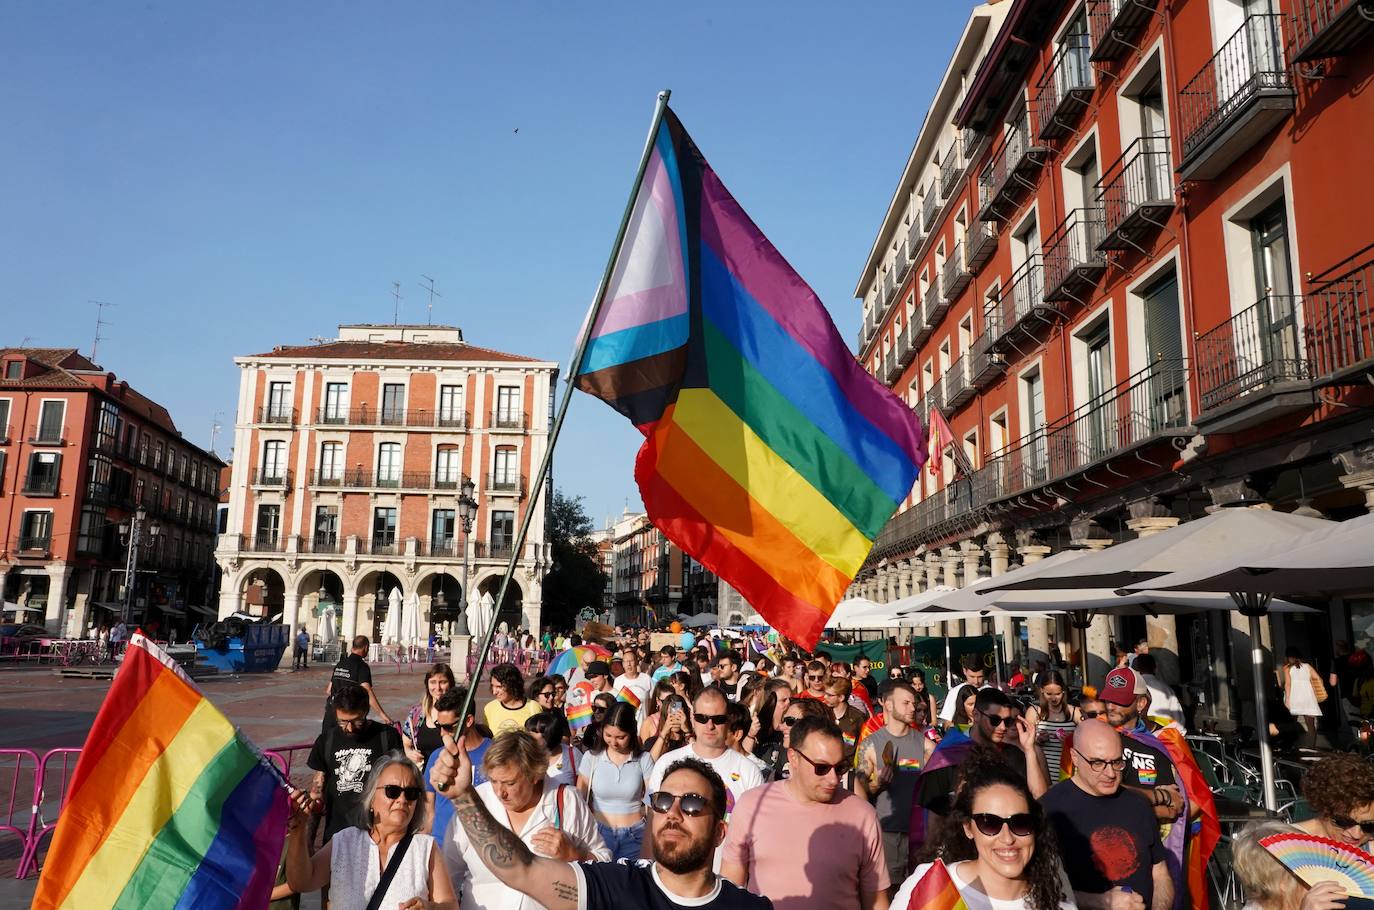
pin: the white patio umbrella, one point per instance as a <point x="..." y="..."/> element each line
<point x="850" y="607"/>
<point x="476" y="620"/>
<point x="888" y="615"/>
<point x="391" y="630"/>
<point x="701" y="621"/>
<point x="410" y="621"/>
<point x="327" y="624"/>
<point x="487" y="607"/>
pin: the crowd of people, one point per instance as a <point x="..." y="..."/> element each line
<point x="742" y="776"/>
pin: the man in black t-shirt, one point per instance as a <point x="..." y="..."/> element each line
<point x="686" y="825"/>
<point x="1107" y="835"/>
<point x="352" y="670"/>
<point x="342" y="758"/>
<point x="997" y="727"/>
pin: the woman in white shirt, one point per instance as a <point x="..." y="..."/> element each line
<point x="996" y="848"/>
<point x="551" y="728"/>
<point x="553" y="820"/>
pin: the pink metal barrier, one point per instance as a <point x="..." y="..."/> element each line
<point x="530" y="663"/>
<point x="50" y="786"/>
<point x="285" y="758"/>
<point x="18" y="770"/>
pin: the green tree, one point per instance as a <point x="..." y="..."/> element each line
<point x="575" y="580"/>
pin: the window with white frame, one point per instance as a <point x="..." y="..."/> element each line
<point x="388" y="464"/>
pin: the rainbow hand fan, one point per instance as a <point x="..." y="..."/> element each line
<point x="1317" y="859"/>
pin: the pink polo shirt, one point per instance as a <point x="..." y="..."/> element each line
<point x="807" y="854"/>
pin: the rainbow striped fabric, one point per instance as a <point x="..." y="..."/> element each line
<point x="579" y="716"/>
<point x="770" y="455"/>
<point x="628" y="696"/>
<point x="169" y="805"/>
<point x="936" y="891"/>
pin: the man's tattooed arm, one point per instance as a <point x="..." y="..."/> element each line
<point x="550" y="882"/>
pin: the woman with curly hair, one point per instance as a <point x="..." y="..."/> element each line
<point x="1340" y="790"/>
<point x="997" y="846"/>
<point x="1268" y="885"/>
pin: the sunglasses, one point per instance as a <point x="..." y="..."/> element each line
<point x="822" y="769"/>
<point x="598" y="709"/>
<point x="394" y="791"/>
<point x="989" y="825"/>
<point x="1090" y="715"/>
<point x="1345" y="823"/>
<point x="718" y="720"/>
<point x="692" y="804"/>
<point x="1099" y="764"/>
<point x="547" y="693"/>
<point x="815" y="677"/>
<point x="789" y="721"/>
<point x="997" y="720"/>
<point x="448" y="728"/>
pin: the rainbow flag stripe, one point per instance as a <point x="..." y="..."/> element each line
<point x="936" y="891"/>
<point x="580" y="716"/>
<point x="169" y="805"/>
<point x="770" y="456"/>
<point x="628" y="696"/>
<point x="908" y="764"/>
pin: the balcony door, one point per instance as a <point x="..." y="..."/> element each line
<point x="335" y="402"/>
<point x="269" y="525"/>
<point x="393" y="403"/>
<point x="504" y="469"/>
<point x="278" y="401"/>
<point x="450" y="405"/>
<point x="1100" y="416"/>
<point x="1033" y="388"/>
<point x="507" y="406"/>
<point x="442" y="529"/>
<point x="446" y="468"/>
<point x="1274" y="281"/>
<point x="502" y="532"/>
<point x="1154" y="142"/>
<point x="383" y="527"/>
<point x="273" y="460"/>
<point x="389" y="464"/>
<point x="50" y="417"/>
<point x="1164" y="341"/>
<point x="326" y="527"/>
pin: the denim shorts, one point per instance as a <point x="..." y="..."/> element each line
<point x="624" y="843"/>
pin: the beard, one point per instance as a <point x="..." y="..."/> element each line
<point x="681" y="857"/>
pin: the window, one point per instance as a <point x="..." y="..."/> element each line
<point x="106" y="426"/>
<point x="1097" y="343"/>
<point x="273" y="461"/>
<point x="101" y="470"/>
<point x="35" y="530"/>
<point x="447" y="474"/>
<point x="1033" y="397"/>
<point x="508" y="406"/>
<point x="4" y="418"/>
<point x="384" y="527"/>
<point x="130" y="435"/>
<point x="1276" y="317"/>
<point x="502" y="532"/>
<point x="143" y="449"/>
<point x="442" y="528"/>
<point x="14" y="369"/>
<point x="326" y="528"/>
<point x="91" y="537"/>
<point x="44" y="469"/>
<point x="505" y="471"/>
<point x="389" y="464"/>
<point x="157" y="457"/>
<point x="335" y="402"/>
<point x="393" y="404"/>
<point x="269" y="525"/>
<point x="450" y="406"/>
<point x="278" y="402"/>
<point x="331" y="461"/>
<point x="50" y="417"/>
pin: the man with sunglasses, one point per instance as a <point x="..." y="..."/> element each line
<point x="711" y="724"/>
<point x="446" y="714"/>
<point x="343" y="754"/>
<point x="997" y="728"/>
<point x="728" y="676"/>
<point x="814" y="678"/>
<point x="807" y="842"/>
<point x="1108" y="835"/>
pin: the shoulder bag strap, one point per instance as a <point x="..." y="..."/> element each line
<point x="558" y="798"/>
<point x="392" y="866"/>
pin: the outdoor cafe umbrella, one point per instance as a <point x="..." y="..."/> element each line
<point x="850" y="607"/>
<point x="701" y="621"/>
<point x="327" y="625"/>
<point x="410" y="621"/>
<point x="391" y="630"/>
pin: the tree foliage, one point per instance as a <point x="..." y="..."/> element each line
<point x="575" y="579"/>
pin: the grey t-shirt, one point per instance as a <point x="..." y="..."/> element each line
<point x="894" y="803"/>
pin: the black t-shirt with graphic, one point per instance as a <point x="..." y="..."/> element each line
<point x="346" y="760"/>
<point x="1146" y="766"/>
<point x="634" y="885"/>
<point x="1106" y="841"/>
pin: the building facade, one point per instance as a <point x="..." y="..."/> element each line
<point x="1126" y="262"/>
<point x="350" y="456"/>
<point x="80" y="452"/>
<point x="652" y="578"/>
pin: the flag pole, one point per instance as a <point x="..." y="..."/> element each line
<point x="574" y="367"/>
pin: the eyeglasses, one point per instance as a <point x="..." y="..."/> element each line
<point x="354" y="724"/>
<point x="693" y="804"/>
<point x="547" y="693"/>
<point x="822" y="769"/>
<point x="718" y="720"/>
<point x="789" y="721"/>
<point x="1345" y="823"/>
<point x="1098" y="764"/>
<point x="394" y="791"/>
<point x="998" y="720"/>
<point x="989" y="825"/>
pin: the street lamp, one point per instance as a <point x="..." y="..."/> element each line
<point x="467" y="512"/>
<point x="132" y="532"/>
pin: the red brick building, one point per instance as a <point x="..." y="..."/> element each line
<point x="80" y="450"/>
<point x="1128" y="261"/>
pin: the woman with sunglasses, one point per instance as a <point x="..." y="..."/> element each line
<point x="997" y="846"/>
<point x="418" y="731"/>
<point x="775" y="757"/>
<point x="560" y="690"/>
<point x="686" y="684"/>
<point x="351" y="863"/>
<point x="1055" y="716"/>
<point x="543" y="693"/>
<point x="1340" y="790"/>
<point x="612" y="778"/>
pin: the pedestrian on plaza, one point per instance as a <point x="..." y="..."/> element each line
<point x="342" y="757"/>
<point x="1303" y="692"/>
<point x="890" y="763"/>
<point x="711" y="726"/>
<point x="634" y="680"/>
<point x="844" y="715"/>
<point x="705" y="669"/>
<point x="544" y="694"/>
<point x="998" y="848"/>
<point x="1268" y="884"/>
<point x="352" y="671"/>
<point x="863" y="676"/>
<point x="775" y="761"/>
<point x="1090" y="707"/>
<point x="974" y="674"/>
<point x="550" y="820"/>
<point x="595" y="678"/>
<point x="1120" y="863"/>
<point x="675" y="727"/>
<point x="917" y="678"/>
<point x="687" y="683"/>
<point x="509" y="708"/>
<point x="772" y="707"/>
<point x="814" y="678"/>
<point x="728" y="676"/>
<point x="858" y="695"/>
<point x="1340" y="789"/>
<point x="614" y="780"/>
<point x="964" y="698"/>
<point x="418" y="731"/>
<point x="668" y="664"/>
<point x="1164" y="702"/>
<point x="1054" y="717"/>
<point x="551" y="728"/>
<point x="806" y="842"/>
<point x="301" y="659"/>
<point x="447" y="709"/>
<point x="560" y="690"/>
<point x="388" y="836"/>
<point x="653" y="716"/>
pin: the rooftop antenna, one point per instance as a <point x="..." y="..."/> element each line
<point x="432" y="294"/>
<point x="215" y="427"/>
<point x="99" y="324"/>
<point x="396" y="293"/>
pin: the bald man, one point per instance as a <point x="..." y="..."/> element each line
<point x="1107" y="834"/>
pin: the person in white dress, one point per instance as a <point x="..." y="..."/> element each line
<point x="1300" y="684"/>
<point x="996" y="848"/>
<point x="351" y="864"/>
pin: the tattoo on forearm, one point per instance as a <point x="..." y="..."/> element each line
<point x="497" y="843"/>
<point x="566" y="890"/>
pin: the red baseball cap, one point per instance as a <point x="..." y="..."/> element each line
<point x="1121" y="687"/>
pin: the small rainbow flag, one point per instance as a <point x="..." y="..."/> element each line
<point x="169" y="805"/>
<point x="580" y="716"/>
<point x="629" y="697"/>
<point x="908" y="764"/>
<point x="936" y="891"/>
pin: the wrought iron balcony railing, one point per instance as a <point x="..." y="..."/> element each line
<point x="958" y="389"/>
<point x="985" y="365"/>
<point x="956" y="274"/>
<point x="905" y="349"/>
<point x="277" y="415"/>
<point x="1329" y="28"/>
<point x="951" y="166"/>
<point x="1338" y="316"/>
<point x="272" y="476"/>
<point x="930" y="206"/>
<point x="30" y="544"/>
<point x="1137" y="193"/>
<point x="506" y="483"/>
<point x="1008" y="173"/>
<point x="1073" y="262"/>
<point x="366" y="416"/>
<point x="1022" y="297"/>
<point x="981" y="243"/>
<point x="494" y="549"/>
<point x="1114" y="24"/>
<point x="1252" y="350"/>
<point x="1065" y="89"/>
<point x="509" y="420"/>
<point x="936" y="304"/>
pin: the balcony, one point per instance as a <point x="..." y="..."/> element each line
<point x="905" y="349"/>
<point x="423" y="418"/>
<point x="958" y="389"/>
<point x="969" y="140"/>
<point x="1338" y="314"/>
<point x="892" y="367"/>
<point x="277" y="478"/>
<point x="1237" y="98"/>
<point x="410" y="481"/>
<point x="1329" y="28"/>
<point x="508" y="420"/>
<point x="956" y="273"/>
<point x="49" y="436"/>
<point x="381" y="545"/>
<point x="327" y="477"/>
<point x="35" y="546"/>
<point x="506" y="483"/>
<point x="951" y="167"/>
<point x="930" y="207"/>
<point x="1114" y="24"/>
<point x="1009" y="173"/>
<point x="1251" y="367"/>
<point x="40" y="484"/>
<point x="985" y="366"/>
<point x="1021" y="306"/>
<point x="922" y="326"/>
<point x="1073" y="262"/>
<point x="262" y="543"/>
<point x="981" y="241"/>
<point x="496" y="549"/>
<point x="936" y="304"/>
<point x="1065" y="89"/>
<point x="1137" y="194"/>
<point x="914" y="236"/>
<point x="901" y="264"/>
<point x="443" y="548"/>
<point x="321" y="544"/>
<point x="277" y="415"/>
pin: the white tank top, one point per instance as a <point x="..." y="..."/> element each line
<point x="355" y="869"/>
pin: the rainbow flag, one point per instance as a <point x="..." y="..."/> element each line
<point x="770" y="456"/>
<point x="169" y="805"/>
<point x="936" y="891"/>
<point x="628" y="696"/>
<point x="580" y="716"/>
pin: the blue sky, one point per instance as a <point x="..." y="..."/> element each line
<point x="236" y="176"/>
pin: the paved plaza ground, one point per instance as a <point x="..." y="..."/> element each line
<point x="45" y="711"/>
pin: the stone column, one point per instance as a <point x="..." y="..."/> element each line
<point x="904" y="587"/>
<point x="1149" y="517"/>
<point x="999" y="554"/>
<point x="1037" y="628"/>
<point x="1093" y="536"/>
<point x="971" y="555"/>
<point x="349" y="620"/>
<point x="290" y="615"/>
<point x="932" y="570"/>
<point x="949" y="557"/>
<point x="56" y="614"/>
